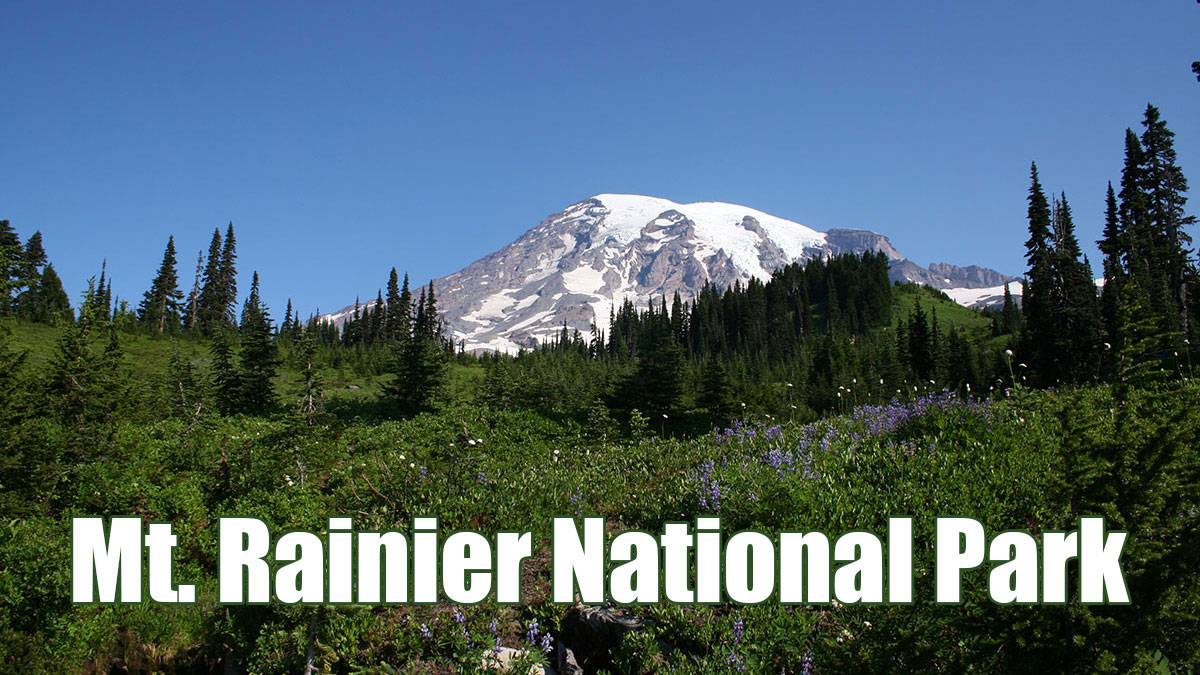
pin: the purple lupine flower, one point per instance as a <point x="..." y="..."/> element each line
<point x="494" y="627"/>
<point x="546" y="643"/>
<point x="425" y="632"/>
<point x="459" y="617"/>
<point x="531" y="634"/>
<point x="806" y="664"/>
<point x="739" y="628"/>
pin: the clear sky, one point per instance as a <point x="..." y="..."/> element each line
<point x="343" y="139"/>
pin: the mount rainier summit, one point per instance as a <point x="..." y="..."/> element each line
<point x="577" y="263"/>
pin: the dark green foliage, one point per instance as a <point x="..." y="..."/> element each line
<point x="228" y="277"/>
<point x="159" y="310"/>
<point x="257" y="358"/>
<point x="311" y="393"/>
<point x="225" y="384"/>
<point x="181" y="387"/>
<point x="420" y="375"/>
<point x="1076" y="328"/>
<point x="210" y="308"/>
<point x="84" y="387"/>
<point x="1010" y="315"/>
<point x="716" y="390"/>
<point x="419" y="362"/>
<point x="45" y="301"/>
<point x="10" y="266"/>
<point x="1041" y="287"/>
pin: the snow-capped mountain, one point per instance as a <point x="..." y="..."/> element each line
<point x="577" y="263"/>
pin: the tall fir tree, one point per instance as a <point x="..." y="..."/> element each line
<point x="160" y="306"/>
<point x="10" y="266"/>
<point x="1040" y="288"/>
<point x="257" y="359"/>
<point x="191" y="305"/>
<point x="1114" y="247"/>
<point x="1165" y="190"/>
<point x="1076" y="316"/>
<point x="225" y="384"/>
<point x="210" y="307"/>
<point x="33" y="257"/>
<point x="228" y="276"/>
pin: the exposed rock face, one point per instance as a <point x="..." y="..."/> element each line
<point x="576" y="265"/>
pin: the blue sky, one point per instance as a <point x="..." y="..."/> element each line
<point x="343" y="139"/>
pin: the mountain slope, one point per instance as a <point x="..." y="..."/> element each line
<point x="577" y="263"/>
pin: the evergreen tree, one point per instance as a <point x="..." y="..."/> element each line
<point x="399" y="310"/>
<point x="420" y="374"/>
<point x="1041" y="291"/>
<point x="210" y="307"/>
<point x="716" y="390"/>
<point x="920" y="343"/>
<point x="1076" y="325"/>
<point x="257" y="359"/>
<point x="193" y="300"/>
<point x="160" y="305"/>
<point x="84" y="384"/>
<point x="46" y="301"/>
<point x="10" y="266"/>
<point x="1114" y="248"/>
<point x="33" y="257"/>
<point x="311" y="395"/>
<point x="419" y="363"/>
<point x="225" y="383"/>
<point x="227" y="271"/>
<point x="1165" y="188"/>
<point x="103" y="297"/>
<point x="1010" y="314"/>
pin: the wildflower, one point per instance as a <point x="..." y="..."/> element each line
<point x="806" y="664"/>
<point x="546" y="643"/>
<point x="739" y="628"/>
<point x="411" y="465"/>
<point x="471" y="442"/>
<point x="556" y="451"/>
<point x="288" y="479"/>
<point x="494" y="626"/>
<point x="459" y="617"/>
<point x="425" y="632"/>
<point x="1008" y="353"/>
<point x="401" y="458"/>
